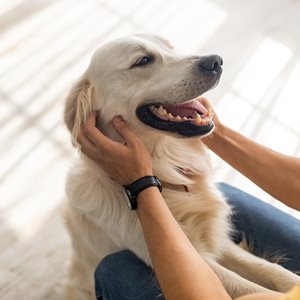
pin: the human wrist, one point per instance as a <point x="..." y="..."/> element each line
<point x="149" y="200"/>
<point x="132" y="191"/>
<point x="216" y="137"/>
<point x="146" y="193"/>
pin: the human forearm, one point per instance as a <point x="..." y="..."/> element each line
<point x="261" y="296"/>
<point x="181" y="272"/>
<point x="277" y="174"/>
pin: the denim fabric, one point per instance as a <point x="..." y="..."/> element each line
<point x="268" y="230"/>
<point x="123" y="276"/>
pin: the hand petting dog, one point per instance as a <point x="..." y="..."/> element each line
<point x="115" y="157"/>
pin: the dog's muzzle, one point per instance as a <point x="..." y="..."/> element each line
<point x="188" y="118"/>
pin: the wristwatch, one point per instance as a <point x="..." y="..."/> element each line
<point x="132" y="190"/>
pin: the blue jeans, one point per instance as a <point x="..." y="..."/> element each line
<point x="123" y="276"/>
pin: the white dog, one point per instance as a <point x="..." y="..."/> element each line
<point x="155" y="90"/>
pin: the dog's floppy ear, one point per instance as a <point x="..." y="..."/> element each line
<point x="78" y="107"/>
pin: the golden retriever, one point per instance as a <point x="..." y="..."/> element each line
<point x="142" y="78"/>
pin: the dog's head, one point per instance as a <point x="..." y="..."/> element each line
<point x="144" y="80"/>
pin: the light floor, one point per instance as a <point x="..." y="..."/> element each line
<point x="46" y="45"/>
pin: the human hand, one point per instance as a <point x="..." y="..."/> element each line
<point x="125" y="162"/>
<point x="209" y="140"/>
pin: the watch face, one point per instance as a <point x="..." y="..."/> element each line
<point x="127" y="196"/>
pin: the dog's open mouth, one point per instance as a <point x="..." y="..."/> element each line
<point x="188" y="119"/>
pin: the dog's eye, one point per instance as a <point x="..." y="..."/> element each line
<point x="143" y="61"/>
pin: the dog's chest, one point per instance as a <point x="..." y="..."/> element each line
<point x="201" y="215"/>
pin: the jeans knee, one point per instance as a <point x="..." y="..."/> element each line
<point x="123" y="275"/>
<point x="105" y="273"/>
<point x="109" y="262"/>
<point x="101" y="276"/>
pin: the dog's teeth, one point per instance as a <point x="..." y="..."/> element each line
<point x="205" y="121"/>
<point x="162" y="111"/>
<point x="178" y="118"/>
<point x="198" y="119"/>
<point x="170" y="116"/>
<point x="185" y="118"/>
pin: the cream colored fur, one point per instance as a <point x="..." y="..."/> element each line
<point x="96" y="215"/>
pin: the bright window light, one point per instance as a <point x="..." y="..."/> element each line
<point x="191" y="34"/>
<point x="261" y="70"/>
<point x="287" y="106"/>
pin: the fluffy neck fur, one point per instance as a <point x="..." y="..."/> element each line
<point x="109" y="210"/>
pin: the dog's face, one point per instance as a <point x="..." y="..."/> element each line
<point x="144" y="80"/>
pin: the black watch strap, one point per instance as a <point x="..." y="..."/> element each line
<point x="143" y="183"/>
<point x="139" y="185"/>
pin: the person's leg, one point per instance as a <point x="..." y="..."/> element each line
<point x="123" y="276"/>
<point x="268" y="230"/>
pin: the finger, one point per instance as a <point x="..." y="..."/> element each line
<point x="91" y="151"/>
<point x="206" y="104"/>
<point x="92" y="118"/>
<point x="86" y="144"/>
<point x="95" y="136"/>
<point x="124" y="131"/>
<point x="87" y="153"/>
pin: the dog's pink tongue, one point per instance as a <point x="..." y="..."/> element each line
<point x="185" y="109"/>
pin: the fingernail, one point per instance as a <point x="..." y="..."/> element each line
<point x="117" y="119"/>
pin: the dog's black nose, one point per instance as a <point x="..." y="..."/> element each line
<point x="211" y="63"/>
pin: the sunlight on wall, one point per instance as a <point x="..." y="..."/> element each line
<point x="180" y="21"/>
<point x="234" y="111"/>
<point x="37" y="188"/>
<point x="244" y="107"/>
<point x="273" y="134"/>
<point x="262" y="68"/>
<point x="6" y="6"/>
<point x="26" y="29"/>
<point x="287" y="106"/>
<point x="264" y="109"/>
<point x="59" y="50"/>
<point x="195" y="24"/>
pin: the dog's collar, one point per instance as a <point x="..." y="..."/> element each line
<point x="183" y="171"/>
<point x="186" y="188"/>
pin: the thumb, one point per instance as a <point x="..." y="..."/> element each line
<point x="205" y="102"/>
<point x="123" y="130"/>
